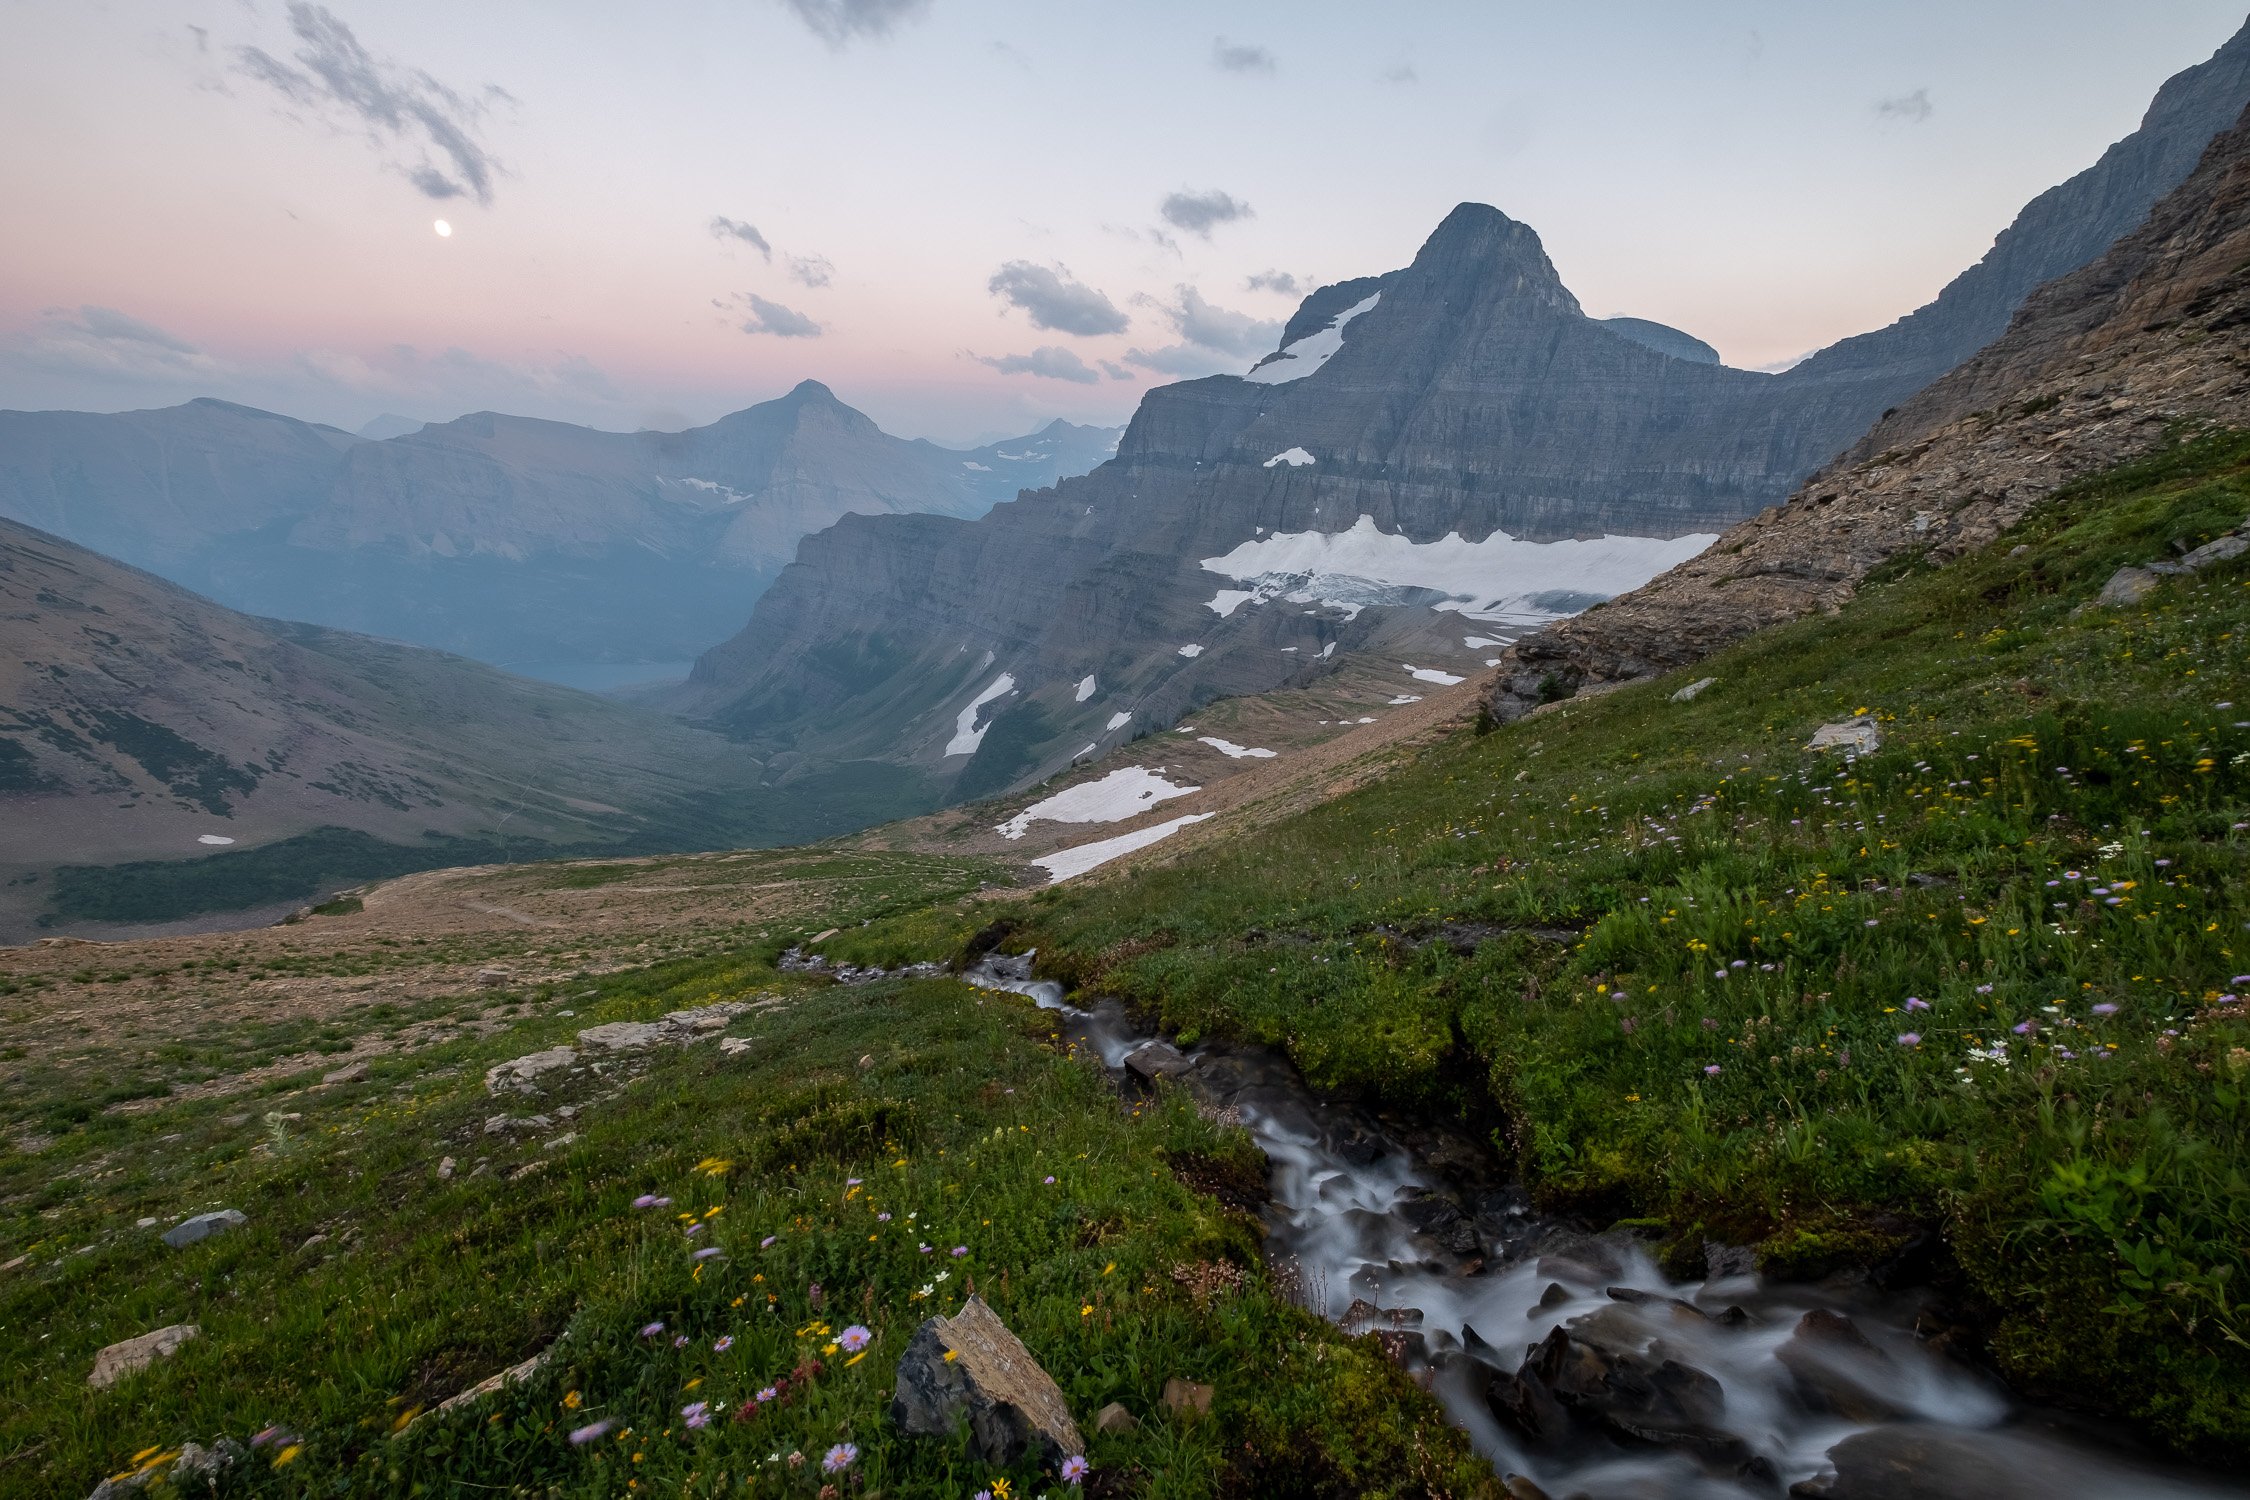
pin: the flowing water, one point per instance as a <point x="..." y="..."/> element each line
<point x="1718" y="1389"/>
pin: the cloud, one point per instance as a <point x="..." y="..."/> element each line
<point x="1051" y="299"/>
<point x="1188" y="361"/>
<point x="837" y="22"/>
<point x="812" y="270"/>
<point x="1400" y="73"/>
<point x="724" y="228"/>
<point x="1050" y="360"/>
<point x="398" y="107"/>
<point x="1240" y="57"/>
<point x="1200" y="213"/>
<point x="1115" y="371"/>
<point x="107" y="344"/>
<point x="1211" y="327"/>
<point x="456" y="378"/>
<point x="1273" y="281"/>
<point x="1914" y="107"/>
<point x="782" y="322"/>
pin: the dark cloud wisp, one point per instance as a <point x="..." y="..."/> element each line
<point x="811" y="270"/>
<point x="1200" y="213"/>
<point x="1049" y="360"/>
<point x="332" y="73"/>
<point x="781" y="322"/>
<point x="1209" y="326"/>
<point x="1273" y="281"/>
<point x="838" y="22"/>
<point x="1051" y="299"/>
<point x="724" y="228"/>
<point x="1914" y="107"/>
<point x="1240" y="57"/>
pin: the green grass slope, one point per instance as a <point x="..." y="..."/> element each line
<point x="1983" y="979"/>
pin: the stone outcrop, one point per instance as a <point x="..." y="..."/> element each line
<point x="970" y="1366"/>
<point x="1468" y="393"/>
<point x="202" y="1226"/>
<point x="2099" y="367"/>
<point x="130" y="1356"/>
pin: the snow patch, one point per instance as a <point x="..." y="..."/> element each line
<point x="1085" y="687"/>
<point x="1119" y="795"/>
<point x="1296" y="458"/>
<point x="1499" y="579"/>
<point x="1191" y="652"/>
<point x="1065" y="863"/>
<point x="213" y="838"/>
<point x="1479" y="642"/>
<point x="967" y="732"/>
<point x="1431" y="674"/>
<point x="1227" y="601"/>
<point x="1406" y="698"/>
<point x="970" y="463"/>
<point x="726" y="493"/>
<point x="1233" y="751"/>
<point x="1296" y="361"/>
<point x="1328" y="651"/>
<point x="1118" y="721"/>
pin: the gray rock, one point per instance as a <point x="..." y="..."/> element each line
<point x="1596" y="1367"/>
<point x="345" y="1074"/>
<point x="203" y="1226"/>
<point x="2222" y="549"/>
<point x="1909" y="1461"/>
<point x="521" y="1075"/>
<point x="515" y="1125"/>
<point x="1013" y="1406"/>
<point x="196" y="1470"/>
<point x="130" y="1356"/>
<point x="1157" y="1060"/>
<point x="1860" y="736"/>
<point x="1187" y="1399"/>
<point x="1688" y="693"/>
<point x="1836" y="1369"/>
<point x="2128" y="586"/>
<point x="1114" y="1418"/>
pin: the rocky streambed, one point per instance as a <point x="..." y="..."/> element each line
<point x="1574" y="1364"/>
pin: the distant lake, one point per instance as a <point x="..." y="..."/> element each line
<point x="601" y="676"/>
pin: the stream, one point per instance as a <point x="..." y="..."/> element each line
<point x="1576" y="1367"/>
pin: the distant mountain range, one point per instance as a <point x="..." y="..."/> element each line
<point x="542" y="546"/>
<point x="1434" y="461"/>
<point x="161" y="755"/>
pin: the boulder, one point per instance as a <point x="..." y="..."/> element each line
<point x="1688" y="693"/>
<point x="1114" y="1418"/>
<point x="1442" y="1220"/>
<point x="345" y="1074"/>
<point x="2128" y="585"/>
<point x="1835" y="1369"/>
<point x="971" y="1365"/>
<point x="1910" y="1461"/>
<point x="203" y="1226"/>
<point x="1860" y="736"/>
<point x="1157" y="1060"/>
<point x="195" y="1470"/>
<point x="1187" y="1399"/>
<point x="136" y="1354"/>
<point x="492" y="979"/>
<point x="1594" y="1366"/>
<point x="520" y="1075"/>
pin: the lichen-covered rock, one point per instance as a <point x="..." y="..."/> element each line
<point x="971" y="1366"/>
<point x="130" y="1356"/>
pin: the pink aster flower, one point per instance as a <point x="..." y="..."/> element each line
<point x="652" y="1330"/>
<point x="2105" y="1009"/>
<point x="645" y="1200"/>
<point x="839" y="1458"/>
<point x="768" y="1394"/>
<point x="1711" y="1071"/>
<point x="1074" y="1468"/>
<point x="707" y="1252"/>
<point x="679" y="1341"/>
<point x="1910" y="1039"/>
<point x="724" y="1343"/>
<point x="767" y="1242"/>
<point x="698" y="1413"/>
<point x="854" y="1339"/>
<point x="581" y="1436"/>
<point x="959" y="1251"/>
<point x="1916" y="1002"/>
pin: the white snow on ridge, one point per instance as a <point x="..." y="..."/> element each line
<point x="1296" y="361"/>
<point x="1499" y="579"/>
<point x="967" y="733"/>
<point x="1118" y="720"/>
<point x="1085" y="687"/>
<point x="213" y="838"/>
<point x="726" y="493"/>
<point x="1112" y="799"/>
<point x="1296" y="458"/>
<point x="1065" y="863"/>
<point x="970" y="463"/>
<point x="1233" y="751"/>
<point x="1191" y="652"/>
<point x="1431" y="674"/>
<point x="1407" y="698"/>
<point x="1227" y="601"/>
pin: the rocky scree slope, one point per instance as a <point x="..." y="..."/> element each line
<point x="1328" y="492"/>
<point x="2101" y="366"/>
<point x="527" y="543"/>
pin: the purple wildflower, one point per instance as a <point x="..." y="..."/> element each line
<point x="652" y="1330"/>
<point x="882" y="1218"/>
<point x="767" y="1242"/>
<point x="679" y="1341"/>
<point x="1712" y="1071"/>
<point x="707" y="1252"/>
<point x="854" y="1339"/>
<point x="270" y="1434"/>
<point x="851" y="1182"/>
<point x="2105" y="1009"/>
<point x="959" y="1251"/>
<point x="693" y="1230"/>
<point x="1910" y="1039"/>
<point x="2066" y="1054"/>
<point x="1074" y="1468"/>
<point x="698" y="1413"/>
<point x="925" y="1249"/>
<point x="2022" y="1028"/>
<point x="1984" y="989"/>
<point x="1916" y="1002"/>
<point x="581" y="1436"/>
<point x="645" y="1200"/>
<point x="723" y="1344"/>
<point x="1048" y="1181"/>
<point x="768" y="1394"/>
<point x="840" y="1458"/>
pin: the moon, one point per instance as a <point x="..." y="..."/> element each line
<point x="444" y="230"/>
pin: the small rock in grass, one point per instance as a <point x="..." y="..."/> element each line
<point x="1859" y="735"/>
<point x="520" y="1075"/>
<point x="445" y="1166"/>
<point x="345" y="1074"/>
<point x="203" y="1226"/>
<point x="730" y="1045"/>
<point x="1158" y="1060"/>
<point x="1114" y="1418"/>
<point x="511" y="1124"/>
<point x="1187" y="1398"/>
<point x="132" y="1355"/>
<point x="972" y="1364"/>
<point x="492" y="979"/>
<point x="1687" y="694"/>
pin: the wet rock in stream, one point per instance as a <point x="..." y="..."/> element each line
<point x="1593" y="1366"/>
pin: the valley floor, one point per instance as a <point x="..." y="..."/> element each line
<point x="1972" y="995"/>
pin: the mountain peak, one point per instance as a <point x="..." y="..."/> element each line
<point x="1478" y="244"/>
<point x="811" y="390"/>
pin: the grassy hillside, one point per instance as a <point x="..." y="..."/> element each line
<point x="1983" y="979"/>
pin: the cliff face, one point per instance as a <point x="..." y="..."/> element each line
<point x="2097" y="368"/>
<point x="514" y="540"/>
<point x="1436" y="460"/>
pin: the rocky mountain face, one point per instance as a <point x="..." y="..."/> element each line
<point x="139" y="722"/>
<point x="1435" y="461"/>
<point x="528" y="543"/>
<point x="2099" y="367"/>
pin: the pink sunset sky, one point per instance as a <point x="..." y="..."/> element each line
<point x="970" y="217"/>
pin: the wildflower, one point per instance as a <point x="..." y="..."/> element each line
<point x="2021" y="1028"/>
<point x="571" y="1401"/>
<point x="767" y="1242"/>
<point x="652" y="1330"/>
<point x="288" y="1455"/>
<point x="851" y="1182"/>
<point x="796" y="1459"/>
<point x="2105" y="1009"/>
<point x="273" y="1433"/>
<point x="1984" y="989"/>
<point x="925" y="1249"/>
<point x="646" y="1200"/>
<point x="854" y="1338"/>
<point x="767" y="1394"/>
<point x="840" y="1458"/>
<point x="724" y="1343"/>
<point x="1074" y="1468"/>
<point x="698" y="1413"/>
<point x="694" y="1230"/>
<point x="959" y="1251"/>
<point x="2066" y="1054"/>
<point x="680" y="1341"/>
<point x="882" y="1218"/>
<point x="1916" y="1002"/>
<point x="707" y="1252"/>
<point x="1712" y="1071"/>
<point x="1910" y="1039"/>
<point x="581" y="1436"/>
